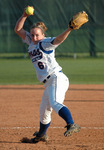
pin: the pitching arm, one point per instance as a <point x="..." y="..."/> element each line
<point x="19" y="26"/>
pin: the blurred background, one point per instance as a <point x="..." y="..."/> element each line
<point x="56" y="15"/>
<point x="88" y="41"/>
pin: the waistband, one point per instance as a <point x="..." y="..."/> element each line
<point x="45" y="80"/>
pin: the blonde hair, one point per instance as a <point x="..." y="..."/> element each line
<point x="40" y="25"/>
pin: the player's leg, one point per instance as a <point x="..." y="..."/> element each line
<point x="45" y="118"/>
<point x="57" y="96"/>
<point x="45" y="112"/>
<point x="57" y="92"/>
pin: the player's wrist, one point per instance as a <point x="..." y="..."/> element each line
<point x="24" y="15"/>
<point x="70" y="29"/>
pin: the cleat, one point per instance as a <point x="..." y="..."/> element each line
<point x="71" y="128"/>
<point x="38" y="138"/>
<point x="35" y="133"/>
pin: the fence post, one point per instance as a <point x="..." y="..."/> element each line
<point x="92" y="28"/>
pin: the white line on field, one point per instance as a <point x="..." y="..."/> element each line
<point x="5" y="128"/>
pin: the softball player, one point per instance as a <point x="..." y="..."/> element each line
<point x="42" y="53"/>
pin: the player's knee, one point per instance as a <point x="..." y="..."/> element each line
<point x="45" y="116"/>
<point x="45" y="119"/>
<point x="56" y="106"/>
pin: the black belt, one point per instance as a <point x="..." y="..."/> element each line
<point x="45" y="80"/>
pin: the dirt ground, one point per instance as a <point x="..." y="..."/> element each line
<point x="19" y="117"/>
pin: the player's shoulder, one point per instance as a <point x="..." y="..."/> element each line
<point x="27" y="39"/>
<point x="47" y="39"/>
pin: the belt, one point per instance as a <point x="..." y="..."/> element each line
<point x="45" y="80"/>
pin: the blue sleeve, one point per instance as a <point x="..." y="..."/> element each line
<point x="47" y="44"/>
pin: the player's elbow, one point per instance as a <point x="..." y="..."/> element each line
<point x="15" y="29"/>
<point x="20" y="32"/>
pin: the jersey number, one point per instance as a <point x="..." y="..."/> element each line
<point x="40" y="64"/>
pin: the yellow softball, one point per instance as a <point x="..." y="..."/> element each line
<point x="29" y="10"/>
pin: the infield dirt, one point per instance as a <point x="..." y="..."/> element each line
<point x="19" y="117"/>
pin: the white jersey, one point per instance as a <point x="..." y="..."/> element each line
<point x="42" y="56"/>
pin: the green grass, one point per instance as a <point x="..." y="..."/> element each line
<point x="19" y="71"/>
<point x="79" y="71"/>
<point x="84" y="71"/>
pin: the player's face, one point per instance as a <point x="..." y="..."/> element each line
<point x="36" y="35"/>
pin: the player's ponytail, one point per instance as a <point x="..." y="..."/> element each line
<point x="40" y="25"/>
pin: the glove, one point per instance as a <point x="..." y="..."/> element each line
<point x="78" y="20"/>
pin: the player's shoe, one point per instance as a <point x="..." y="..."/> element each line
<point x="38" y="138"/>
<point x="71" y="128"/>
